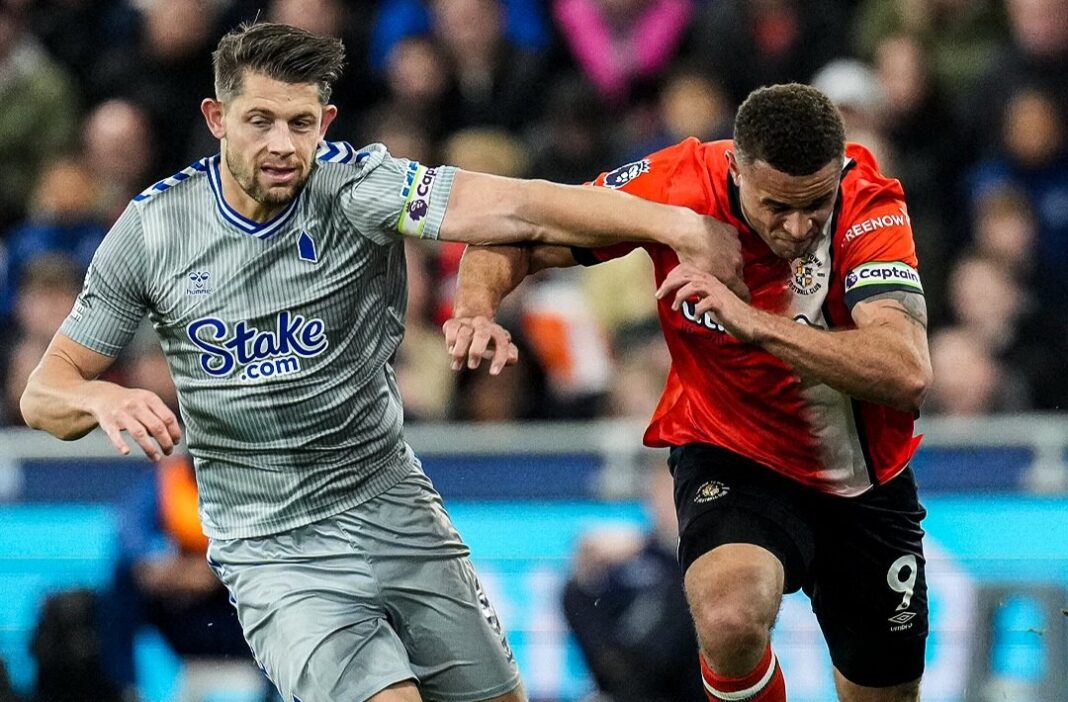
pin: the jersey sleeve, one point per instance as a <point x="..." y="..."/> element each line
<point x="113" y="300"/>
<point x="878" y="253"/>
<point x="395" y="196"/>
<point x="673" y="176"/>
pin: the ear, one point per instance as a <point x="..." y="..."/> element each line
<point x="732" y="166"/>
<point x="329" y="113"/>
<point x="212" y="110"/>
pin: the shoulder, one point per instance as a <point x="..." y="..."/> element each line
<point x="166" y="188"/>
<point x="873" y="222"/>
<point x="340" y="159"/>
<point x="863" y="180"/>
<point x="867" y="194"/>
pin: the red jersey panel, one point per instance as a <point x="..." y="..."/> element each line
<point x="724" y="392"/>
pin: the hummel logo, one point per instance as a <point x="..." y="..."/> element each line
<point x="200" y="283"/>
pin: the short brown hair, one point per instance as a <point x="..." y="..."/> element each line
<point x="793" y="128"/>
<point x="280" y="52"/>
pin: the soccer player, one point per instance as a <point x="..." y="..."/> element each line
<point x="790" y="417"/>
<point x="274" y="275"/>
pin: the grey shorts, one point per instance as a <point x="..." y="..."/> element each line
<point x="337" y="610"/>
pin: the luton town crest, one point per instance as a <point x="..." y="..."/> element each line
<point x="808" y="275"/>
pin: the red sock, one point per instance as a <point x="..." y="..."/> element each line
<point x="764" y="684"/>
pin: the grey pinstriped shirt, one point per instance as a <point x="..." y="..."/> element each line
<point x="279" y="335"/>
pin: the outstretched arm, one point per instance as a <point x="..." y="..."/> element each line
<point x="487" y="274"/>
<point x="884" y="360"/>
<point x="486" y="209"/>
<point x="64" y="398"/>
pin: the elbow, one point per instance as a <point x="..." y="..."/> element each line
<point x="29" y="409"/>
<point x="914" y="388"/>
<point x="33" y="414"/>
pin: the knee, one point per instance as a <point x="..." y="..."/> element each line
<point x="729" y="627"/>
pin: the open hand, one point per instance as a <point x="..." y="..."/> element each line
<point x="140" y="413"/>
<point x="471" y="339"/>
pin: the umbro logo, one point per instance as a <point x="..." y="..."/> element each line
<point x="901" y="618"/>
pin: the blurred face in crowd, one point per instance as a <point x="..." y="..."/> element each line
<point x="324" y="17"/>
<point x="787" y="212"/>
<point x="270" y="131"/>
<point x="1032" y="131"/>
<point x="415" y="72"/>
<point x="8" y="32"/>
<point x="113" y="130"/>
<point x="901" y="67"/>
<point x="178" y="29"/>
<point x="966" y="375"/>
<point x="469" y="28"/>
<point x="1040" y="26"/>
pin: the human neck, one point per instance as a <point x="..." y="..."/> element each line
<point x="243" y="203"/>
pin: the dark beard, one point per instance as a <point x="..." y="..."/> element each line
<point x="251" y="186"/>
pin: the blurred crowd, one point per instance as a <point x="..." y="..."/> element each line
<point x="963" y="100"/>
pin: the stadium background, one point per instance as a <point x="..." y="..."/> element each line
<point x="963" y="100"/>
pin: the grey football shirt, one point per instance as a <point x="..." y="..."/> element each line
<point x="279" y="335"/>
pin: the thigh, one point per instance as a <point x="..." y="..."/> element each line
<point x="870" y="590"/>
<point x="310" y="609"/>
<point x="452" y="635"/>
<point x="722" y="498"/>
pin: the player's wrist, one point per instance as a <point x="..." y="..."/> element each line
<point x="686" y="233"/>
<point x="479" y="303"/>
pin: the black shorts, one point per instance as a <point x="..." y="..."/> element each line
<point x="859" y="559"/>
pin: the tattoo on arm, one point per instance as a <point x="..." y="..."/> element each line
<point x="913" y="305"/>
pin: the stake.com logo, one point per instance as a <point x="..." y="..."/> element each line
<point x="258" y="354"/>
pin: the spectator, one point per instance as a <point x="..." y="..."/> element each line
<point x="424" y="377"/>
<point x="521" y="393"/>
<point x="569" y="342"/>
<point x="642" y="363"/>
<point x="959" y="35"/>
<point x="334" y="18"/>
<point x="75" y="31"/>
<point x="47" y="289"/>
<point x="570" y="141"/>
<point x="1006" y="230"/>
<point x="38" y="109"/>
<point x="749" y="43"/>
<point x="621" y="44"/>
<point x="525" y="26"/>
<point x="987" y="302"/>
<point x="690" y="104"/>
<point x="401" y="132"/>
<point x="169" y="74"/>
<point x="625" y="604"/>
<point x="418" y="83"/>
<point x="113" y="131"/>
<point x="496" y="81"/>
<point x="162" y="578"/>
<point x="854" y="89"/>
<point x="66" y="647"/>
<point x="1034" y="158"/>
<point x="920" y="125"/>
<point x="62" y="219"/>
<point x="969" y="380"/>
<point x="1037" y="56"/>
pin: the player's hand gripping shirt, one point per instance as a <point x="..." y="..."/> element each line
<point x="735" y="395"/>
<point x="279" y="335"/>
